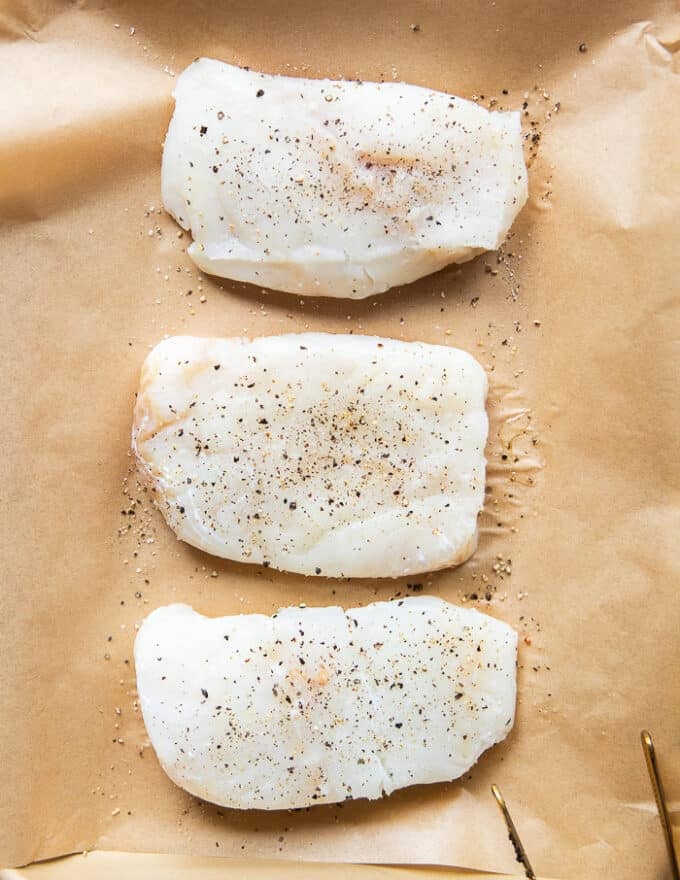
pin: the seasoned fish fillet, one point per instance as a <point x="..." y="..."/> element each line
<point x="318" y="705"/>
<point x="335" y="455"/>
<point x="335" y="188"/>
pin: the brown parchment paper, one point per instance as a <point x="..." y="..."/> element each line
<point x="104" y="865"/>
<point x="108" y="865"/>
<point x="575" y="319"/>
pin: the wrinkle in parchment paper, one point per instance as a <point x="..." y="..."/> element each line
<point x="574" y="320"/>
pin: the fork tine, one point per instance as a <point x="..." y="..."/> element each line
<point x="520" y="852"/>
<point x="657" y="788"/>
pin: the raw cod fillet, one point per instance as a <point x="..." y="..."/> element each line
<point x="324" y="454"/>
<point x="335" y="188"/>
<point x="318" y="705"/>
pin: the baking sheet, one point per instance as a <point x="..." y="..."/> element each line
<point x="575" y="319"/>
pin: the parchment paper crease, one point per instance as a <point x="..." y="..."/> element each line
<point x="576" y="319"/>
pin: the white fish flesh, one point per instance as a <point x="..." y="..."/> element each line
<point x="335" y="455"/>
<point x="318" y="705"/>
<point x="335" y="188"/>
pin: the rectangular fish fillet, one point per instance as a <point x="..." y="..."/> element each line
<point x="335" y="188"/>
<point x="327" y="454"/>
<point x="319" y="705"/>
